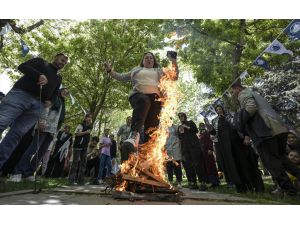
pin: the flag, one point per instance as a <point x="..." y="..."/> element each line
<point x="293" y="30"/>
<point x="5" y="29"/>
<point x="218" y="102"/>
<point x="277" y="48"/>
<point x="244" y="75"/>
<point x="24" y="48"/>
<point x="211" y="111"/>
<point x="72" y="99"/>
<point x="203" y="113"/>
<point x="262" y="63"/>
<point x="211" y="108"/>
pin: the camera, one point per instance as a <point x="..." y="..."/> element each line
<point x="172" y="54"/>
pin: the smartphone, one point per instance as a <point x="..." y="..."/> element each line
<point x="172" y="54"/>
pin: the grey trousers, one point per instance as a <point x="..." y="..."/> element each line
<point x="78" y="164"/>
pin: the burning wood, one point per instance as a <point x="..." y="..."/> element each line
<point x="175" y="197"/>
<point x="145" y="171"/>
<point x="145" y="181"/>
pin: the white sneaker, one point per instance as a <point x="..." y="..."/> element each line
<point x="100" y="181"/>
<point x="134" y="139"/>
<point x="30" y="178"/>
<point x="15" y="178"/>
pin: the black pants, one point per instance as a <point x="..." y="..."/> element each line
<point x="145" y="112"/>
<point x="272" y="154"/>
<point x="189" y="171"/>
<point x="78" y="154"/>
<point x="93" y="163"/>
<point x="58" y="168"/>
<point x="192" y="158"/>
<point x="172" y="168"/>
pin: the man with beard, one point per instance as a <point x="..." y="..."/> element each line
<point x="259" y="120"/>
<point x="36" y="90"/>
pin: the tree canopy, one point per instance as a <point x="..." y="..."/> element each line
<point x="214" y="52"/>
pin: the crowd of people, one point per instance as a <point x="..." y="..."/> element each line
<point x="229" y="147"/>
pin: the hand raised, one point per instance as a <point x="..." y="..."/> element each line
<point x="107" y="67"/>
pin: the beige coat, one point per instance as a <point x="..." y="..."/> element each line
<point x="253" y="102"/>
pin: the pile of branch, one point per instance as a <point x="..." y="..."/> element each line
<point x="147" y="186"/>
<point x="146" y="182"/>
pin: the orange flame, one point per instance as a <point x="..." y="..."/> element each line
<point x="152" y="155"/>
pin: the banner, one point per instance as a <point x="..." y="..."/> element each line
<point x="244" y="75"/>
<point x="277" y="48"/>
<point x="262" y="63"/>
<point x="211" y="108"/>
<point x="218" y="102"/>
<point x="293" y="30"/>
<point x="5" y="29"/>
<point x="24" y="48"/>
<point x="203" y="113"/>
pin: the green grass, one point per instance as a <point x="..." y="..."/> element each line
<point x="259" y="198"/>
<point x="43" y="183"/>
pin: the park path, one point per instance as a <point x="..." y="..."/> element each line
<point x="95" y="195"/>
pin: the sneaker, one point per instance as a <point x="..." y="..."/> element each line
<point x="133" y="139"/>
<point x="278" y="192"/>
<point x="30" y="178"/>
<point x="100" y="181"/>
<point x="15" y="178"/>
<point x="130" y="145"/>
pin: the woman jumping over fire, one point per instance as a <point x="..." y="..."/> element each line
<point x="145" y="80"/>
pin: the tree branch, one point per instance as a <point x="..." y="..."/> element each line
<point x="21" y="30"/>
<point x="212" y="36"/>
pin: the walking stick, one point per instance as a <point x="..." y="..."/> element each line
<point x="38" y="144"/>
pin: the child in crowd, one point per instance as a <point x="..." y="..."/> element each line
<point x="294" y="157"/>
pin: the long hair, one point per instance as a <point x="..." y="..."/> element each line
<point x="220" y="106"/>
<point x="155" y="64"/>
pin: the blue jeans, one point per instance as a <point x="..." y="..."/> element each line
<point x="20" y="111"/>
<point x="105" y="160"/>
<point x="27" y="164"/>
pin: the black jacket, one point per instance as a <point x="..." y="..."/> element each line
<point x="83" y="141"/>
<point x="32" y="69"/>
<point x="189" y="139"/>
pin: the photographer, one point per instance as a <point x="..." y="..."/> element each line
<point x="145" y="79"/>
